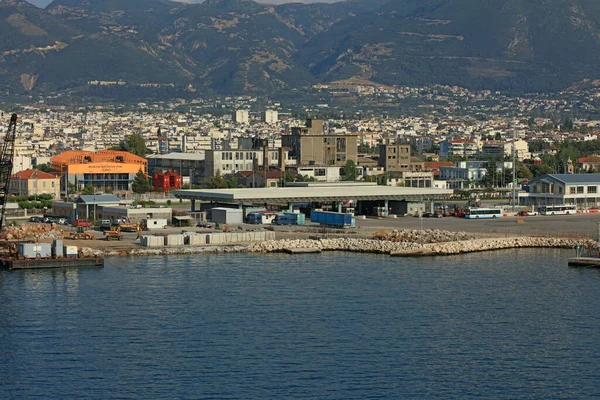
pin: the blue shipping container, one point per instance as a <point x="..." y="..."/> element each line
<point x="333" y="219"/>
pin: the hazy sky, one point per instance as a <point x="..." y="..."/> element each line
<point x="44" y="3"/>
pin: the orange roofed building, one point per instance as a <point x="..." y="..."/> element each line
<point x="106" y="170"/>
<point x="33" y="182"/>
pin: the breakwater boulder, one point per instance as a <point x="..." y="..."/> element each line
<point x="416" y="249"/>
<point x="331" y="244"/>
<point x="469" y="246"/>
<point x="422" y="236"/>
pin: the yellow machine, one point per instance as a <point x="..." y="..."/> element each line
<point x="80" y="234"/>
<point x="113" y="234"/>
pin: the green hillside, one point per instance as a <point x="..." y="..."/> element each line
<point x="240" y="46"/>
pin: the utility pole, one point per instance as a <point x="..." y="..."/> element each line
<point x="514" y="170"/>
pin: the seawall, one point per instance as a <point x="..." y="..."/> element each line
<point x="394" y="248"/>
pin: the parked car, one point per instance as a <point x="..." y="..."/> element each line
<point x="35" y="219"/>
<point x="105" y="225"/>
<point x="50" y="220"/>
<point x="61" y="221"/>
<point x="522" y="214"/>
<point x="86" y="223"/>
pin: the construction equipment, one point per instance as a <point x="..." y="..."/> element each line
<point x="7" y="152"/>
<point x="113" y="234"/>
<point x="80" y="234"/>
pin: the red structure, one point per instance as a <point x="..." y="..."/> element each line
<point x="166" y="181"/>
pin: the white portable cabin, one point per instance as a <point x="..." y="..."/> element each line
<point x="156" y="223"/>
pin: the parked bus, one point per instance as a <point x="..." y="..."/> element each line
<point x="559" y="210"/>
<point x="476" y="213"/>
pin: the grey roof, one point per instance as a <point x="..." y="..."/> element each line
<point x="98" y="198"/>
<point x="303" y="194"/>
<point x="591" y="179"/>
<point x="178" y="156"/>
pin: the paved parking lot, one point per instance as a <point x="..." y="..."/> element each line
<point x="556" y="225"/>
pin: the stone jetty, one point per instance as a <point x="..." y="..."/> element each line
<point x="397" y="243"/>
<point x="416" y="249"/>
<point x="336" y="244"/>
<point x="476" y="245"/>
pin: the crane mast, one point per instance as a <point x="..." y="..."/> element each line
<point x="7" y="153"/>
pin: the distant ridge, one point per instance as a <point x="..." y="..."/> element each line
<point x="240" y="46"/>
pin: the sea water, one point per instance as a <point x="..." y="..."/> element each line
<point x="505" y="324"/>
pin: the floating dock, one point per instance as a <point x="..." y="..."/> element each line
<point x="304" y="250"/>
<point x="584" y="262"/>
<point x="64" y="262"/>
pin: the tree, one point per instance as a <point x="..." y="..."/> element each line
<point x="524" y="173"/>
<point x="140" y="183"/>
<point x="232" y="182"/>
<point x="43" y="167"/>
<point x="540" y="169"/>
<point x="88" y="189"/>
<point x="349" y="171"/>
<point x="136" y="144"/>
<point x="216" y="182"/>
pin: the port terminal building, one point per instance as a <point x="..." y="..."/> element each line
<point x="364" y="198"/>
<point x="106" y="170"/>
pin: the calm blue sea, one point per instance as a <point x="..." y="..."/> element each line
<point x="516" y="324"/>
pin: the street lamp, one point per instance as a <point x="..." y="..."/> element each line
<point x="421" y="232"/>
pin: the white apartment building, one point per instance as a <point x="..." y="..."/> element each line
<point x="240" y="116"/>
<point x="232" y="161"/>
<point x="270" y="117"/>
<point x="505" y="149"/>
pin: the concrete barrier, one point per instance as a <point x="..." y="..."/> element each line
<point x="197" y="240"/>
<point x="174" y="240"/>
<point x="153" y="241"/>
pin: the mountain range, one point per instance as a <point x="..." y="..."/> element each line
<point x="165" y="48"/>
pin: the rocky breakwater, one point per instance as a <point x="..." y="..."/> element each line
<point x="333" y="244"/>
<point x="422" y="236"/>
<point x="476" y="245"/>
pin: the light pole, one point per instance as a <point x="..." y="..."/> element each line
<point x="421" y="232"/>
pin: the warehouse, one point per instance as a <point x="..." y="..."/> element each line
<point x="106" y="171"/>
<point x="335" y="193"/>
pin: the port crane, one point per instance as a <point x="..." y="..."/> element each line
<point x="7" y="153"/>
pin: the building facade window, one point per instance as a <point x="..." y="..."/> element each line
<point x="592" y="189"/>
<point x="572" y="189"/>
<point x="579" y="189"/>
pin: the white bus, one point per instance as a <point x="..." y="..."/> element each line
<point x="476" y="213"/>
<point x="559" y="210"/>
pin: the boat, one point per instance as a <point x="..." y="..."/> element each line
<point x="64" y="262"/>
<point x="46" y="255"/>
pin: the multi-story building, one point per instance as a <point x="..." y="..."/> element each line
<point x="165" y="181"/>
<point x="240" y="116"/>
<point x="232" y="161"/>
<point x="106" y="170"/>
<point x="504" y="149"/>
<point x="459" y="147"/>
<point x="556" y="189"/>
<point x="311" y="146"/>
<point x="33" y="182"/>
<point x="394" y="157"/>
<point x="269" y="116"/>
<point x="188" y="165"/>
<point x="589" y="163"/>
<point x="462" y="172"/>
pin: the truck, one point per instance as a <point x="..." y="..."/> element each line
<point x="333" y="219"/>
<point x="290" y="218"/>
<point x="260" y="218"/>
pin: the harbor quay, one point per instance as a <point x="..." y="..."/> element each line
<point x="394" y="236"/>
